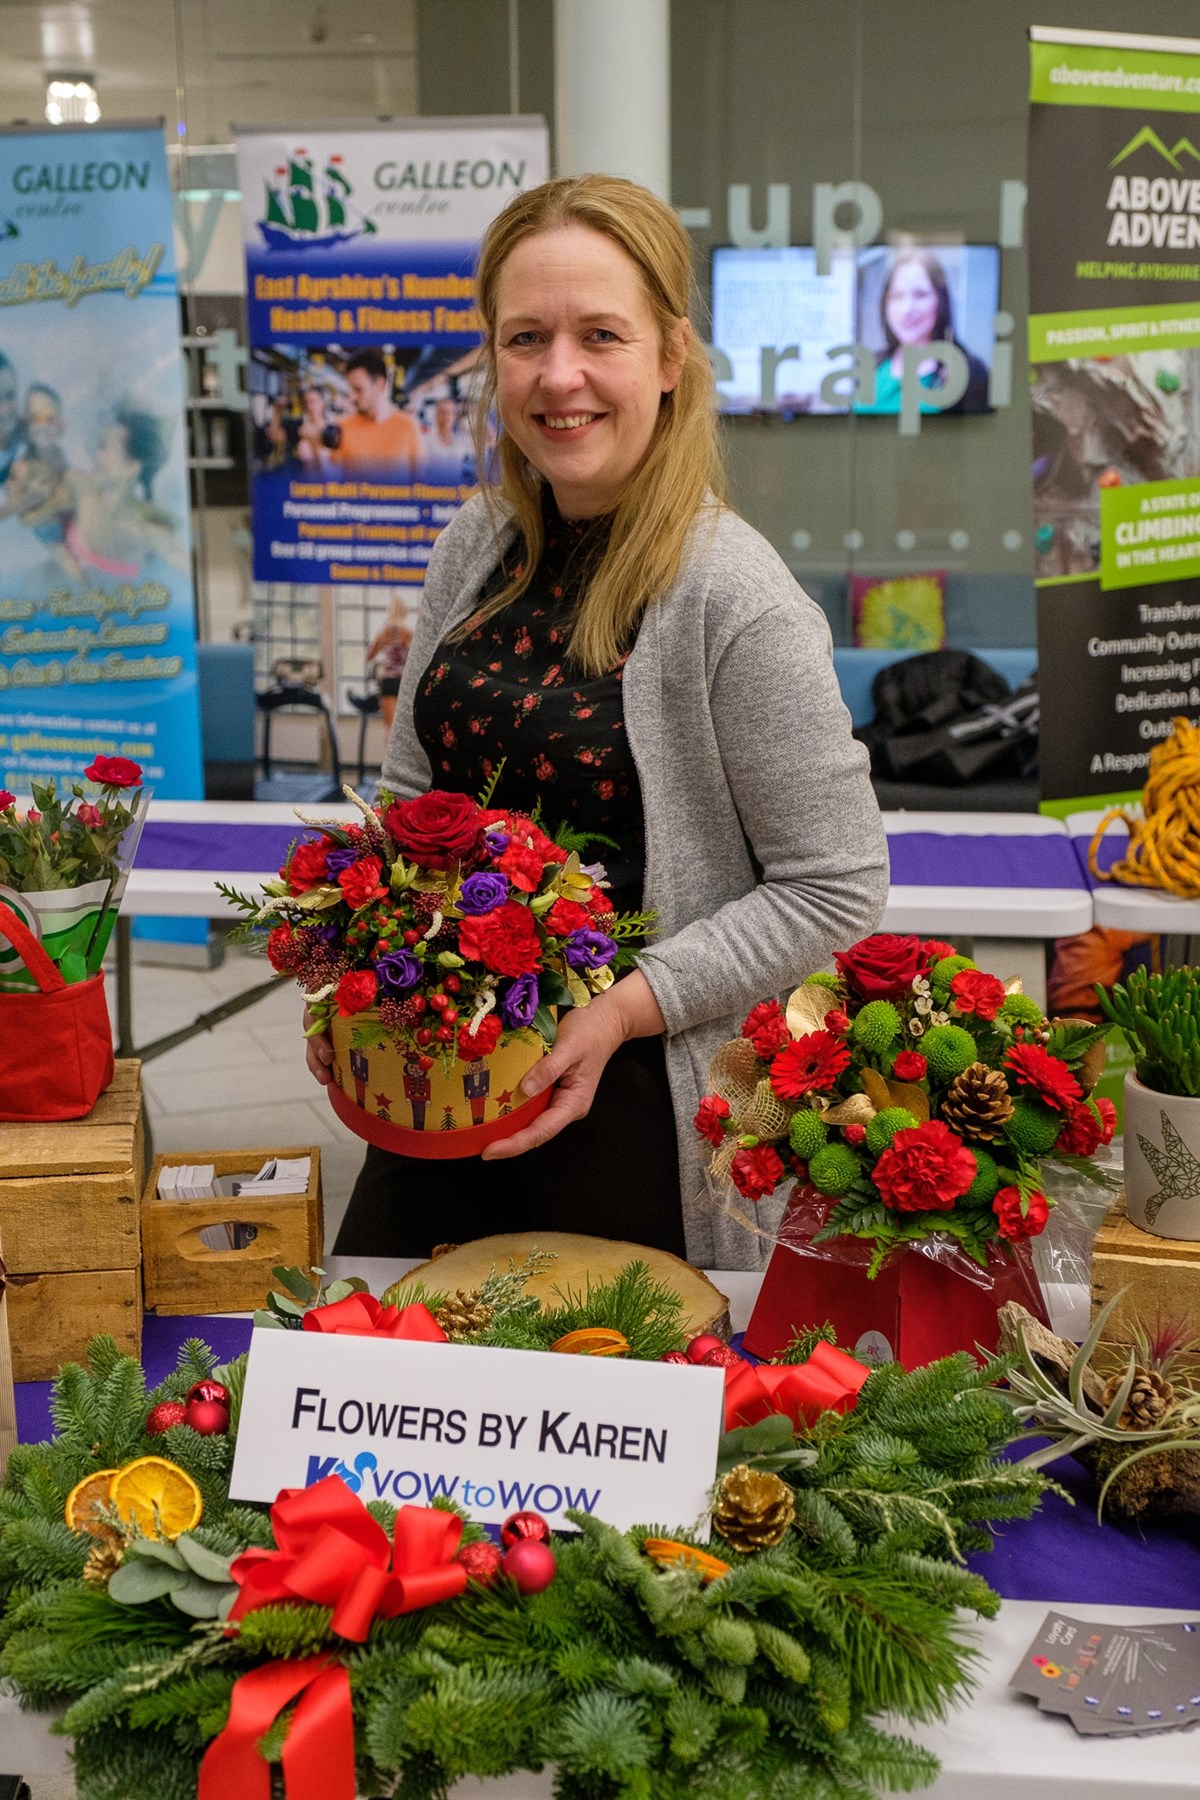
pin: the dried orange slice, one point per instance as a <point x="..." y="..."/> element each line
<point x="671" y="1553"/>
<point x="157" y="1496"/>
<point x="592" y="1340"/>
<point x="79" y="1512"/>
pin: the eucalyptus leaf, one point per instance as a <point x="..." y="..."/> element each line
<point x="201" y="1560"/>
<point x="138" y="1581"/>
<point x="202" y="1599"/>
<point x="154" y="1550"/>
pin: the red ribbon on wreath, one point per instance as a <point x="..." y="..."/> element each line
<point x="330" y="1552"/>
<point x="361" y="1315"/>
<point x="829" y="1381"/>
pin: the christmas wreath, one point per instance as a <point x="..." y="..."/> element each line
<point x="328" y="1647"/>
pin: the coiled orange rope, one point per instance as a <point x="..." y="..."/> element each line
<point x="1164" y="845"/>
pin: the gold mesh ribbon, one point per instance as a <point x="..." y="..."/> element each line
<point x="1164" y="845"/>
<point x="766" y="1116"/>
<point x="733" y="1074"/>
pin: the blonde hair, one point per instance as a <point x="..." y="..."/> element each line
<point x="656" y="509"/>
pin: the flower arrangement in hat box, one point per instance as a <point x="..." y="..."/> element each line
<point x="437" y="940"/>
<point x="912" y="1099"/>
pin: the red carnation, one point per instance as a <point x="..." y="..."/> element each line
<point x="765" y="1019"/>
<point x="882" y="967"/>
<point x="1014" y="1223"/>
<point x="436" y="829"/>
<point x="977" y="992"/>
<point x="285" y="952"/>
<point x="360" y="883"/>
<point x="307" y="866"/>
<point x="484" y="1039"/>
<point x="1108" y="1118"/>
<point x="936" y="951"/>
<point x="505" y="940"/>
<point x="757" y="1172"/>
<point x="599" y="902"/>
<point x="855" y="1135"/>
<point x="910" y="1065"/>
<point x="566" y="916"/>
<point x="926" y="1168"/>
<point x="808" y="1064"/>
<point x="546" y="848"/>
<point x="710" y="1118"/>
<point x="771" y="1037"/>
<point x="114" y="771"/>
<point x="522" y="865"/>
<point x="1047" y="1075"/>
<point x="838" y="1022"/>
<point x="1083" y="1131"/>
<point x="356" y="991"/>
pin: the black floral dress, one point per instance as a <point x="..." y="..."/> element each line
<point x="507" y="690"/>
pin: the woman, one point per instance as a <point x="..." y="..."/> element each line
<point x="650" y="670"/>
<point x="915" y="308"/>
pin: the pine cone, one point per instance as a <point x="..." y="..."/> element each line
<point x="977" y="1103"/>
<point x="1149" y="1398"/>
<point x="754" y="1509"/>
<point x="104" y="1559"/>
<point x="463" y="1315"/>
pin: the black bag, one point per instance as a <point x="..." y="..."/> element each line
<point x="948" y="718"/>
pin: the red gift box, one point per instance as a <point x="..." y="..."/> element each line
<point x="927" y="1300"/>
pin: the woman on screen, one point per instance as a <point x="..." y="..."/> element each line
<point x="915" y="308"/>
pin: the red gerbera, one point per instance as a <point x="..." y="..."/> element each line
<point x="1012" y="1222"/>
<point x="1047" y="1075"/>
<point x="710" y="1118"/>
<point x="975" y="991"/>
<point x="926" y="1168"/>
<point x="757" y="1172"/>
<point x="808" y="1064"/>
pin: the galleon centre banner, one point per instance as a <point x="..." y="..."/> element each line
<point x="97" y="633"/>
<point x="1114" y="349"/>
<point x="364" y="339"/>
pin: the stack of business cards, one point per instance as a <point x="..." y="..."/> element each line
<point x="1114" y="1680"/>
<point x="185" y="1181"/>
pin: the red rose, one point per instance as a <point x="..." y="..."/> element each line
<point x="926" y="1168"/>
<point x="710" y="1118"/>
<point x="910" y="1065"/>
<point x="307" y="867"/>
<point x="1083" y="1132"/>
<point x="977" y="992"/>
<point x="485" y="1039"/>
<point x="505" y="940"/>
<point x="114" y="771"/>
<point x="838" y="1022"/>
<point x="1047" y="1075"/>
<point x="356" y="991"/>
<point x="936" y="951"/>
<point x="808" y="1064"/>
<point x="757" y="1172"/>
<point x="1108" y="1119"/>
<point x="6" y="799"/>
<point x="883" y="966"/>
<point x="437" y="829"/>
<point x="599" y="902"/>
<point x="522" y="865"/>
<point x="566" y="916"/>
<point x="1015" y="1224"/>
<point x="360" y="883"/>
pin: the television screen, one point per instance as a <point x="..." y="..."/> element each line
<point x="774" y="320"/>
<point x="920" y="293"/>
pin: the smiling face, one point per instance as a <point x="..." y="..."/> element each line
<point x="911" y="308"/>
<point x="579" y="374"/>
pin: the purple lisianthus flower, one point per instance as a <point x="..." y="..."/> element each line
<point x="324" y="934"/>
<point x="399" y="970"/>
<point x="589" y="949"/>
<point x="482" y="893"/>
<point x="497" y="841"/>
<point x="341" y="857"/>
<point x="519" y="1001"/>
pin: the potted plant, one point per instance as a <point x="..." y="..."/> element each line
<point x="1160" y="1016"/>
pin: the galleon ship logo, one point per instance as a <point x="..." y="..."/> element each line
<point x="307" y="210"/>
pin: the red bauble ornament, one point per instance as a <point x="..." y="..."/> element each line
<point x="524" y="1527"/>
<point x="207" y="1417"/>
<point x="722" y="1357"/>
<point x="699" y="1347"/>
<point x="674" y="1356"/>
<point x="164" y="1415"/>
<point x="208" y="1390"/>
<point x="482" y="1563"/>
<point x="531" y="1565"/>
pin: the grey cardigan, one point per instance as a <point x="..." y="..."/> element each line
<point x="765" y="851"/>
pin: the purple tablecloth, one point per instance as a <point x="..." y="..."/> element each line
<point x="1113" y="845"/>
<point x="1062" y="1555"/>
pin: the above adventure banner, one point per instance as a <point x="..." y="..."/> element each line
<point x="1114" y="348"/>
<point x="97" y="638"/>
<point x="360" y="261"/>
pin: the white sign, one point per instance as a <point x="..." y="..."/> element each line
<point x="497" y="1431"/>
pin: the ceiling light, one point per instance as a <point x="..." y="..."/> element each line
<point x="70" y="102"/>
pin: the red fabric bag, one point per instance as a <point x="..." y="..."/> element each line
<point x="56" y="1054"/>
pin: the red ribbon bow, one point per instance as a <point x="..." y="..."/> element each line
<point x="361" y="1315"/>
<point x="829" y="1380"/>
<point x="331" y="1552"/>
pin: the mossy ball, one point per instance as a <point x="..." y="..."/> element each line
<point x="877" y="1026"/>
<point x="1019" y="1009"/>
<point x="806" y="1134"/>
<point x="833" y="1169"/>
<point x="885" y="1125"/>
<point x="1033" y="1127"/>
<point x="986" y="1185"/>
<point x="948" y="1050"/>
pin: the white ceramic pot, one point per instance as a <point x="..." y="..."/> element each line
<point x="1162" y="1161"/>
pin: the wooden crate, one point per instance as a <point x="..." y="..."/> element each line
<point x="69" y="1190"/>
<point x="51" y="1317"/>
<point x="8" y="1400"/>
<point x="181" y="1274"/>
<point x="1161" y="1276"/>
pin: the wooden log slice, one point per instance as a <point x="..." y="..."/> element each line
<point x="578" y="1260"/>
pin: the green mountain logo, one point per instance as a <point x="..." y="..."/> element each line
<point x="1147" y="137"/>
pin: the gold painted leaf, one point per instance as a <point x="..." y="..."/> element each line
<point x="908" y="1094"/>
<point x="807" y="1007"/>
<point x="1014" y="985"/>
<point x="857" y="1110"/>
<point x="876" y="1089"/>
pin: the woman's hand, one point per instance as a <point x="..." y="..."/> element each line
<point x="318" y="1053"/>
<point x="587" y="1038"/>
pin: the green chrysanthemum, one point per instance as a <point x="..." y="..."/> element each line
<point x="948" y="1049"/>
<point x="821" y="978"/>
<point x="1033" y="1127"/>
<point x="1019" y="1009"/>
<point x="943" y="973"/>
<point x="877" y="1026"/>
<point x="807" y="1134"/>
<point x="885" y="1125"/>
<point x="833" y="1169"/>
<point x="986" y="1185"/>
